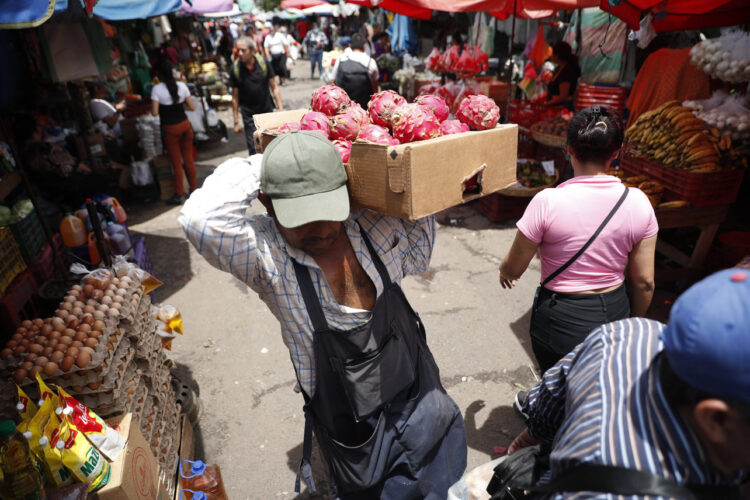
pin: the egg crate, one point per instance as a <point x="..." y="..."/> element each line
<point x="118" y="370"/>
<point x="147" y="418"/>
<point x="126" y="404"/>
<point x="167" y="482"/>
<point x="148" y="340"/>
<point x="135" y="324"/>
<point x="152" y="368"/>
<point x="137" y="400"/>
<point x="132" y="302"/>
<point x="110" y="398"/>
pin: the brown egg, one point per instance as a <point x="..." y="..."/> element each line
<point x="87" y="289"/>
<point x="78" y="303"/>
<point x="110" y="346"/>
<point x="17" y="337"/>
<point x="117" y="305"/>
<point x="50" y="369"/>
<point x="83" y="373"/>
<point x="35" y="348"/>
<point x="38" y="322"/>
<point x="76" y="343"/>
<point x="69" y="332"/>
<point x="12" y="344"/>
<point x="25" y="343"/>
<point x="46" y="330"/>
<point x="61" y="313"/>
<point x="6" y="353"/>
<point x="69" y="298"/>
<point x="55" y="335"/>
<point x="26" y="323"/>
<point x="19" y="350"/>
<point x="88" y="319"/>
<point x="99" y="315"/>
<point x="41" y="361"/>
<point x="60" y="327"/>
<point x="30" y="357"/>
<point x="76" y="287"/>
<point x="47" y="351"/>
<point x="113" y="313"/>
<point x="34" y="370"/>
<point x="27" y="365"/>
<point x="66" y="340"/>
<point x="94" y="385"/>
<point x="98" y="369"/>
<point x="30" y="335"/>
<point x="87" y="309"/>
<point x="103" y="308"/>
<point x="97" y="294"/>
<point x="107" y="300"/>
<point x="77" y="388"/>
<point x="98" y="325"/>
<point x="85" y="328"/>
<point x="65" y="306"/>
<point x="118" y="299"/>
<point x="95" y="334"/>
<point x="73" y="320"/>
<point x="19" y="375"/>
<point x="83" y="359"/>
<point x="121" y="292"/>
<point x="67" y="363"/>
<point x="47" y="321"/>
<point x="53" y="342"/>
<point x="92" y="302"/>
<point x="91" y="342"/>
<point x="72" y="351"/>
<point x="57" y="321"/>
<point x="80" y="336"/>
<point x="57" y="356"/>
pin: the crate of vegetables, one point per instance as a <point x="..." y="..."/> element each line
<point x="408" y="160"/>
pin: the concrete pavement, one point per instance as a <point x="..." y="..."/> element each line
<point x="232" y="354"/>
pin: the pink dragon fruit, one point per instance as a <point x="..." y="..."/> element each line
<point x="330" y="100"/>
<point x="381" y="107"/>
<point x="345" y="126"/>
<point x="315" y="121"/>
<point x="429" y="88"/>
<point x="449" y="127"/>
<point x="436" y="104"/>
<point x="360" y="114"/>
<point x="479" y="112"/>
<point x="412" y="122"/>
<point x="288" y="126"/>
<point x="466" y="92"/>
<point x="377" y="134"/>
<point x="344" y="148"/>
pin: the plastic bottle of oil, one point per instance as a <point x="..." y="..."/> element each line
<point x="199" y="477"/>
<point x="21" y="479"/>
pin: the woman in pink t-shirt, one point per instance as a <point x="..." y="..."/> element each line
<point x="559" y="222"/>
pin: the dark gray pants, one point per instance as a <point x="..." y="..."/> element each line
<point x="249" y="126"/>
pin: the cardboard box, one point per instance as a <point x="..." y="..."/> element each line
<point x="135" y="473"/>
<point x="95" y="145"/>
<point x="417" y="179"/>
<point x="161" y="167"/>
<point x="265" y="122"/>
<point x="187" y="449"/>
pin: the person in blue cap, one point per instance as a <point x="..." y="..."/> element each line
<point x="331" y="276"/>
<point x="641" y="408"/>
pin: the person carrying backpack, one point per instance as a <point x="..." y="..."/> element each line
<point x="252" y="80"/>
<point x="356" y="72"/>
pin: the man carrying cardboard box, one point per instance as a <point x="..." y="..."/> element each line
<point x="372" y="389"/>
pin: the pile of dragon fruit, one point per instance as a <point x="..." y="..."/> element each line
<point x="463" y="63"/>
<point x="389" y="119"/>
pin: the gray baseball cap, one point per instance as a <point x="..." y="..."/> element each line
<point x="304" y="177"/>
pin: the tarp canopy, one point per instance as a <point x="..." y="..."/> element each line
<point x="123" y="10"/>
<point x="675" y="15"/>
<point x="15" y="14"/>
<point x="397" y="7"/>
<point x="206" y="6"/>
<point x="328" y="9"/>
<point x="301" y="4"/>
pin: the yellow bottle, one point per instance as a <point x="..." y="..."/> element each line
<point x="21" y="479"/>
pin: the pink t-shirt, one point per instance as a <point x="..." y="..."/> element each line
<point x="562" y="220"/>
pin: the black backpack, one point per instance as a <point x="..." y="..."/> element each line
<point x="353" y="77"/>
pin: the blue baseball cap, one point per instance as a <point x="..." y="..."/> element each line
<point x="345" y="41"/>
<point x="707" y="340"/>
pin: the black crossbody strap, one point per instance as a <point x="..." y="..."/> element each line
<point x="622" y="481"/>
<point x="590" y="241"/>
<point x="310" y="296"/>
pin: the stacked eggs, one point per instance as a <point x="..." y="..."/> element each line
<point x="78" y="334"/>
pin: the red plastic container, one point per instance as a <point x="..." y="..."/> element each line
<point x="701" y="190"/>
<point x="611" y="96"/>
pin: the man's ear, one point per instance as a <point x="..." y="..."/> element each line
<point x="266" y="201"/>
<point x="712" y="416"/>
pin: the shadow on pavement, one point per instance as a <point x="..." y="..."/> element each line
<point x="502" y="425"/>
<point x="520" y="328"/>
<point x="170" y="257"/>
<point x="184" y="374"/>
<point x="319" y="469"/>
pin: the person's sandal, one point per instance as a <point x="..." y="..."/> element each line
<point x="176" y="199"/>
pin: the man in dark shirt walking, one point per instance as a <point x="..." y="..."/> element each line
<point x="252" y="80"/>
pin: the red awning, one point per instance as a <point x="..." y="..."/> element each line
<point x="675" y="15"/>
<point x="398" y="7"/>
<point x="301" y="4"/>
<point x="522" y="10"/>
<point x="456" y="5"/>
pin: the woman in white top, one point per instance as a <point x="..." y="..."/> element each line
<point x="169" y="99"/>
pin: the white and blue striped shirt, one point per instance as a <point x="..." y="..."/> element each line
<point x="603" y="404"/>
<point x="249" y="246"/>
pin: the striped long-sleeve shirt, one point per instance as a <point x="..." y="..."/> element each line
<point x="603" y="404"/>
<point x="217" y="222"/>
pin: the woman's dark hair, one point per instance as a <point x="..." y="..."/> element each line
<point x="564" y="52"/>
<point x="595" y="134"/>
<point x="164" y="72"/>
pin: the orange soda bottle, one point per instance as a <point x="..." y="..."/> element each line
<point x="73" y="231"/>
<point x="201" y="478"/>
<point x="116" y="208"/>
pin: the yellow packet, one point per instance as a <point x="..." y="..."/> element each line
<point x="25" y="406"/>
<point x="106" y="439"/>
<point x="58" y="473"/>
<point x="172" y="317"/>
<point x="45" y="392"/>
<point x="34" y="432"/>
<point x="81" y="458"/>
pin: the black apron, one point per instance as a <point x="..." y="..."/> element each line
<point x="353" y="77"/>
<point x="378" y="399"/>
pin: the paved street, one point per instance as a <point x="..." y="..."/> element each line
<point x="232" y="354"/>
